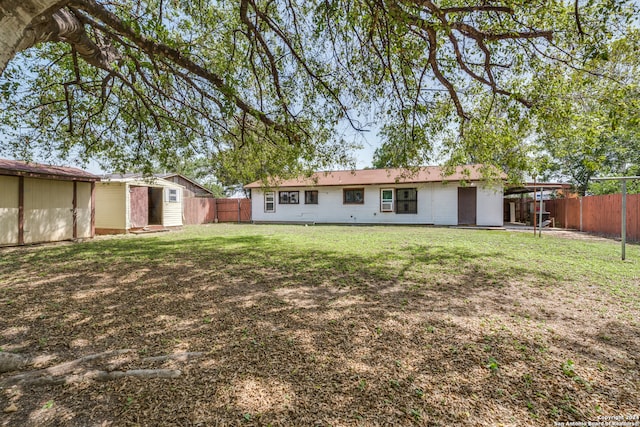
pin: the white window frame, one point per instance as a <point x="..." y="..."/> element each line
<point x="270" y="198"/>
<point x="387" y="204"/>
<point x="173" y="195"/>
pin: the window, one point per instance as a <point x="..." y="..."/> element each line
<point x="289" y="197"/>
<point x="310" y="197"/>
<point x="172" y="195"/>
<point x="353" y="196"/>
<point x="270" y="201"/>
<point x="406" y="200"/>
<point x="386" y="200"/>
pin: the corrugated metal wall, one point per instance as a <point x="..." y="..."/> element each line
<point x="48" y="210"/>
<point x="83" y="206"/>
<point x="110" y="205"/>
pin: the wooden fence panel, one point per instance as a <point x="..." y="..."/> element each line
<point x="633" y="217"/>
<point x="600" y="214"/>
<point x="199" y="210"/>
<point x="565" y="212"/>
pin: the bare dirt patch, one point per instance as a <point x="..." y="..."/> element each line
<point x="278" y="345"/>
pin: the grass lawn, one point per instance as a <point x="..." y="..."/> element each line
<point x="324" y="325"/>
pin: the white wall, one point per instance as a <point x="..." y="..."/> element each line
<point x="490" y="206"/>
<point x="445" y="203"/>
<point x="437" y="204"/>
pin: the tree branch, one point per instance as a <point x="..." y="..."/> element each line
<point x="153" y="48"/>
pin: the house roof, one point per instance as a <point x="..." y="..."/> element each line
<point x="382" y="176"/>
<point x="37" y="170"/>
<point x="142" y="177"/>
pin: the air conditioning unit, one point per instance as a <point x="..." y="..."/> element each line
<point x="387" y="206"/>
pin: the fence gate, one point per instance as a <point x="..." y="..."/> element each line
<point x="233" y="210"/>
<point x="203" y="210"/>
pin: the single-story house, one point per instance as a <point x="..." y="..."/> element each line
<point x="383" y="196"/>
<point x="44" y="203"/>
<point x="127" y="203"/>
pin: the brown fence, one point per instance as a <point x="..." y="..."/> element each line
<point x="598" y="214"/>
<point x="204" y="210"/>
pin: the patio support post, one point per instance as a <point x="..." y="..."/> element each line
<point x="540" y="216"/>
<point x="534" y="206"/>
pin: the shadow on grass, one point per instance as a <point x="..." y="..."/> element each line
<point x="295" y="335"/>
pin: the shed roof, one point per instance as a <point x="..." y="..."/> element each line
<point x="37" y="170"/>
<point x="139" y="179"/>
<point x="142" y="177"/>
<point x="171" y="175"/>
<point x="383" y="176"/>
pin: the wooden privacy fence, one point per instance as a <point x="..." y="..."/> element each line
<point x="598" y="214"/>
<point x="204" y="210"/>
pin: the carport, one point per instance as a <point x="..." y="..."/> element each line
<point x="520" y="202"/>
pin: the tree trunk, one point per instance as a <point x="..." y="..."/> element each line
<point x="16" y="16"/>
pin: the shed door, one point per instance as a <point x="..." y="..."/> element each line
<point x="48" y="210"/>
<point x="139" y="206"/>
<point x="83" y="201"/>
<point x="467" y="197"/>
<point x="9" y="209"/>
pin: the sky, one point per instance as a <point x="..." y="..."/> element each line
<point x="363" y="156"/>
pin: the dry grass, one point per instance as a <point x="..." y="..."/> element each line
<point x="327" y="326"/>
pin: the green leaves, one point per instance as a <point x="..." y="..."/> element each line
<point x="262" y="88"/>
<point x="587" y="119"/>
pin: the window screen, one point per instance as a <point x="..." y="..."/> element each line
<point x="406" y="200"/>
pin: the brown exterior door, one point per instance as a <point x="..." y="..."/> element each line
<point x="139" y="206"/>
<point x="467" y="197"/>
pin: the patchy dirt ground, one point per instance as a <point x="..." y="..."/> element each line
<point x="266" y="346"/>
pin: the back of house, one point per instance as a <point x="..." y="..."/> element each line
<point x="383" y="196"/>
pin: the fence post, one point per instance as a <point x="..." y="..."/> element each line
<point x="238" y="211"/>
<point x="580" y="213"/>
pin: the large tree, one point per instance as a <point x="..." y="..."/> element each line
<point x="589" y="121"/>
<point x="262" y="85"/>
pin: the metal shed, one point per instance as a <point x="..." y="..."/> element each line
<point x="44" y="203"/>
